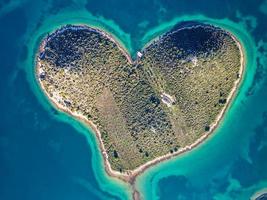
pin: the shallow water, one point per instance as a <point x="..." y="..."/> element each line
<point x="44" y="154"/>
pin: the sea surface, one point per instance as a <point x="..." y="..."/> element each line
<point x="47" y="155"/>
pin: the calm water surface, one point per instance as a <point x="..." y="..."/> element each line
<point x="44" y="154"/>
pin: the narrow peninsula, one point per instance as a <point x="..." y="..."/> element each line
<point x="165" y="102"/>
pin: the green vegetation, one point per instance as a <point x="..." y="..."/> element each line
<point x="163" y="101"/>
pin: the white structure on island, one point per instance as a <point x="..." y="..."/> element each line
<point x="139" y="54"/>
<point x="167" y="99"/>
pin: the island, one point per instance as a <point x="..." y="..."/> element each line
<point x="143" y="111"/>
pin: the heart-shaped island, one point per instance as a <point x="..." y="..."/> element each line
<point x="165" y="102"/>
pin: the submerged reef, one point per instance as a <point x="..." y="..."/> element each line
<point x="165" y="100"/>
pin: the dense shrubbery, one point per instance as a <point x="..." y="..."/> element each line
<point x="85" y="71"/>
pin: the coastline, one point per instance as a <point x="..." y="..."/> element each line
<point x="258" y="194"/>
<point x="130" y="176"/>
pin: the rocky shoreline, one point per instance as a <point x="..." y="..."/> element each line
<point x="130" y="176"/>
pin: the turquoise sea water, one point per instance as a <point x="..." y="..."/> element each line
<point x="44" y="154"/>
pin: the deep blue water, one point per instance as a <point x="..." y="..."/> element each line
<point x="43" y="157"/>
<point x="40" y="157"/>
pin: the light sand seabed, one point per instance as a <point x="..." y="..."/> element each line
<point x="130" y="176"/>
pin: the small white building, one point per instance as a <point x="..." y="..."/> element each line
<point x="139" y="54"/>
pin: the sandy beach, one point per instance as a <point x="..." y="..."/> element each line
<point x="130" y="176"/>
